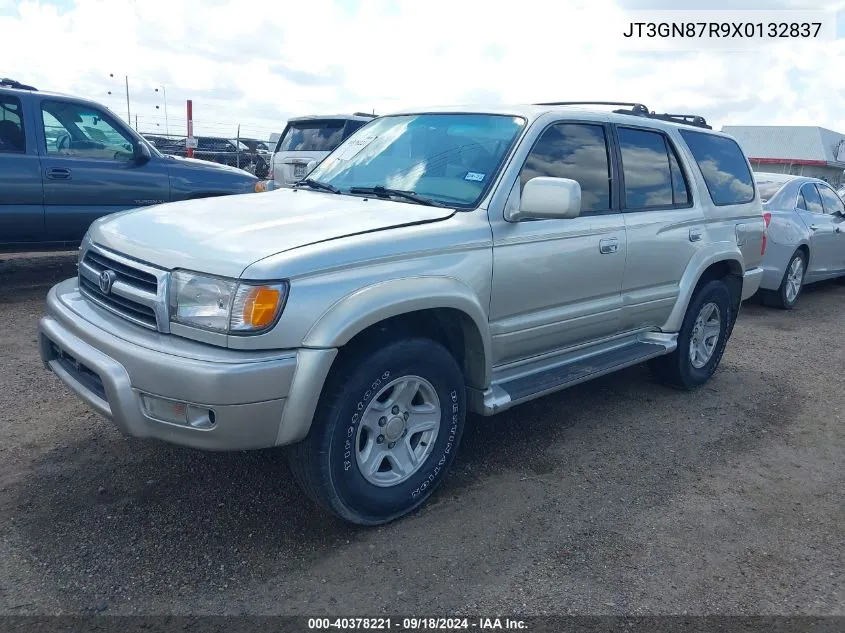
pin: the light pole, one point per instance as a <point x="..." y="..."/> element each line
<point x="128" y="116"/>
<point x="166" y="124"/>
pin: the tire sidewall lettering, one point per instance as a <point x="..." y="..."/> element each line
<point x="436" y="463"/>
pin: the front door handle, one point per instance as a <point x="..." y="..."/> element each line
<point x="58" y="173"/>
<point x="608" y="245"/>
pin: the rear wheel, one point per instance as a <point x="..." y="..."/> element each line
<point x="385" y="432"/>
<point x="786" y="296"/>
<point x="701" y="341"/>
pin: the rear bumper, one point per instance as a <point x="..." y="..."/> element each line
<point x="751" y="282"/>
<point x="232" y="400"/>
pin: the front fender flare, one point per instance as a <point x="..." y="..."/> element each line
<point x="372" y="304"/>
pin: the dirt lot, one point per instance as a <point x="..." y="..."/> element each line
<point x="618" y="496"/>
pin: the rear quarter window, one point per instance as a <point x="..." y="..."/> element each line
<point x="723" y="167"/>
<point x="11" y="125"/>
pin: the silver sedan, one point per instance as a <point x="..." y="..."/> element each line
<point x="805" y="240"/>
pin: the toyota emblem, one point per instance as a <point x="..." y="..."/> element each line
<point x="107" y="278"/>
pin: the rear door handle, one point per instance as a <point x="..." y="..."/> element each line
<point x="58" y="173"/>
<point x="608" y="245"/>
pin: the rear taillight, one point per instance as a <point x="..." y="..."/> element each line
<point x="767" y="218"/>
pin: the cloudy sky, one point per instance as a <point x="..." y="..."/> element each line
<point x="255" y="63"/>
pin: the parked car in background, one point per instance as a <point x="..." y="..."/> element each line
<point x="447" y="261"/>
<point x="224" y="151"/>
<point x="160" y="142"/>
<point x="310" y="138"/>
<point x="260" y="156"/>
<point x="66" y="161"/>
<point x="805" y="236"/>
<point x="256" y="146"/>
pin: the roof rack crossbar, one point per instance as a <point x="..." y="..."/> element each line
<point x="638" y="109"/>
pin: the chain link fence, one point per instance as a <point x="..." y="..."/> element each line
<point x="249" y="154"/>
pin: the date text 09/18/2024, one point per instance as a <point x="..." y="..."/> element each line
<point x="416" y="624"/>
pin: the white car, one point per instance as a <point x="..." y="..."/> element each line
<point x="310" y="138"/>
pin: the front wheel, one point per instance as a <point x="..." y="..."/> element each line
<point x="701" y="341"/>
<point x="385" y="432"/>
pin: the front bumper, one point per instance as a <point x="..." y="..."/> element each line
<point x="255" y="399"/>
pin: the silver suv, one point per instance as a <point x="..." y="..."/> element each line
<point x="438" y="262"/>
<point x="306" y="141"/>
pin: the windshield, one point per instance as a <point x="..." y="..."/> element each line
<point x="450" y="158"/>
<point x="313" y="135"/>
<point x="768" y="189"/>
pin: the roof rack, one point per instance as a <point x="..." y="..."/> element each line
<point x="638" y="109"/>
<point x="5" y="82"/>
<point x="367" y="114"/>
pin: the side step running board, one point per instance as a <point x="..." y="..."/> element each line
<point x="506" y="393"/>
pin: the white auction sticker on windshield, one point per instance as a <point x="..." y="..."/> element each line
<point x="474" y="176"/>
<point x="352" y="147"/>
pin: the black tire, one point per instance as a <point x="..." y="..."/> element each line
<point x="325" y="463"/>
<point x="676" y="369"/>
<point x="778" y="298"/>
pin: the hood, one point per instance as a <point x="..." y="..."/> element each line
<point x="222" y="236"/>
<point x="209" y="165"/>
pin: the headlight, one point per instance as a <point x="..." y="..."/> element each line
<point x="225" y="305"/>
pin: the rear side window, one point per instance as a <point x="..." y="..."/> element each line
<point x="832" y="203"/>
<point x="723" y="166"/>
<point x="652" y="174"/>
<point x="11" y="125"/>
<point x="315" y="135"/>
<point x="812" y="201"/>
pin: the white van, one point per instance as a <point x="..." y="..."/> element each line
<point x="310" y="138"/>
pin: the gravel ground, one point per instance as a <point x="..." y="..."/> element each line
<point x="615" y="497"/>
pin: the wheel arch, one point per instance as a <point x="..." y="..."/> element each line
<point x="706" y="267"/>
<point x="442" y="308"/>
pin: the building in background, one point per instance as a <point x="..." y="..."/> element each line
<point x="800" y="150"/>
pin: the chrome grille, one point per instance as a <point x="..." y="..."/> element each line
<point x="136" y="291"/>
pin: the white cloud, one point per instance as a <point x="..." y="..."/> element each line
<point x="256" y="62"/>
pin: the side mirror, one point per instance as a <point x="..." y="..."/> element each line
<point x="310" y="166"/>
<point x="549" y="198"/>
<point x="141" y="153"/>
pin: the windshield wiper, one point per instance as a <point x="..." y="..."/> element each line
<point x="316" y="184"/>
<point x="386" y="192"/>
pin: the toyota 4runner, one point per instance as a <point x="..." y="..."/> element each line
<point x="438" y="262"/>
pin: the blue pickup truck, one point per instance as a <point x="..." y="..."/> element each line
<point x="66" y="161"/>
